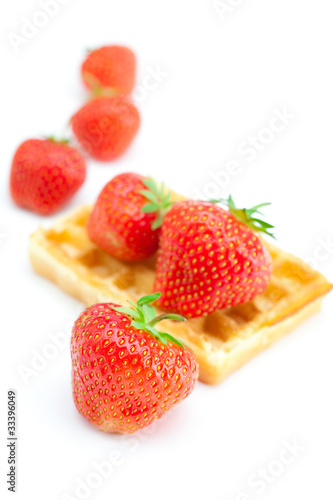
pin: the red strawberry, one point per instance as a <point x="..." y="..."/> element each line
<point x="45" y="174"/>
<point x="210" y="258"/>
<point x="106" y="126"/>
<point x="125" y="373"/>
<point x="111" y="67"/>
<point x="126" y="219"/>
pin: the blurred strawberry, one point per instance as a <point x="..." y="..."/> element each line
<point x="45" y="174"/>
<point x="111" y="67"/>
<point x="106" y="126"/>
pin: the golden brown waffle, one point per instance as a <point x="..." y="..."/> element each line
<point x="222" y="341"/>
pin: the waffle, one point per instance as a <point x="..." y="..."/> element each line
<point x="222" y="341"/>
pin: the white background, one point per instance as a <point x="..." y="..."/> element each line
<point x="224" y="78"/>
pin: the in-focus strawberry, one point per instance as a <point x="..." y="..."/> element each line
<point x="110" y="67"/>
<point x="45" y="174"/>
<point x="125" y="373"/>
<point x="106" y="126"/>
<point x="125" y="221"/>
<point x="210" y="258"/>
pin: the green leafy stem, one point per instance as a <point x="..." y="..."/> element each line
<point x="159" y="200"/>
<point x="245" y="215"/>
<point x="144" y="318"/>
<point x="62" y="140"/>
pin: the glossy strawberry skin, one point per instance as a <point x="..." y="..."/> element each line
<point x="123" y="379"/>
<point x="45" y="174"/>
<point x="106" y="126"/>
<point x="117" y="224"/>
<point x="112" y="67"/>
<point x="208" y="260"/>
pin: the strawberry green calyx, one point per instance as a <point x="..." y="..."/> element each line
<point x="97" y="90"/>
<point x="159" y="200"/>
<point x="62" y="140"/>
<point x="247" y="215"/>
<point x="144" y="318"/>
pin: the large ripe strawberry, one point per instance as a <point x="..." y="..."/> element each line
<point x="126" y="374"/>
<point x="106" y="126"/>
<point x="125" y="221"/>
<point x="210" y="258"/>
<point x="110" y="67"/>
<point x="45" y="174"/>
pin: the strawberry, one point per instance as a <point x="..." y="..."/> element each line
<point x="106" y="126"/>
<point x="210" y="258"/>
<point x="45" y="174"/>
<point x="111" y="67"/>
<point x="125" y="221"/>
<point x="125" y="373"/>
